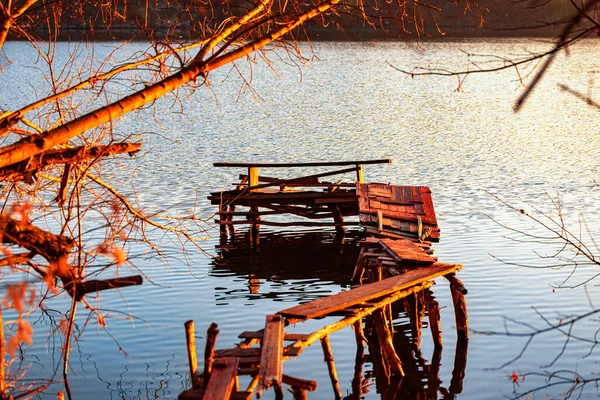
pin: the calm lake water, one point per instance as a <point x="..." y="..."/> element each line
<point x="348" y="103"/>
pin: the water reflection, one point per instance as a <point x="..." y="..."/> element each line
<point x="286" y="266"/>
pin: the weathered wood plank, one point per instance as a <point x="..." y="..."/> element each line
<point x="403" y="250"/>
<point x="253" y="352"/>
<point x="271" y="358"/>
<point x="222" y="378"/>
<point x="290" y="337"/>
<point x="326" y="305"/>
<point x="301" y="164"/>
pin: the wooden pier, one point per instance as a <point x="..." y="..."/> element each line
<point x="393" y="275"/>
<point x="305" y="196"/>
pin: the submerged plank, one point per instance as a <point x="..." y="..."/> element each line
<point x="222" y="378"/>
<point x="326" y="305"/>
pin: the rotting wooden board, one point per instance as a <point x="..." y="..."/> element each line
<point x="289" y="351"/>
<point x="322" y="307"/>
<point x="221" y="382"/>
<point x="404" y="250"/>
<point x="271" y="357"/>
<point x="292" y="337"/>
<point x="401" y="207"/>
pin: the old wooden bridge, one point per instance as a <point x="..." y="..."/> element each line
<point x="393" y="276"/>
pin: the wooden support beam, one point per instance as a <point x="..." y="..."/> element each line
<point x="338" y="218"/>
<point x="460" y="308"/>
<point x="326" y="305"/>
<point x="359" y="269"/>
<point x="271" y="358"/>
<point x="209" y="350"/>
<point x="302" y="164"/>
<point x="190" y="339"/>
<point x="255" y="186"/>
<point x="331" y="367"/>
<point x="294" y="223"/>
<point x="292" y="337"/>
<point x="359" y="314"/>
<point x="222" y="379"/>
<point x="304" y="384"/>
<point x="433" y="311"/>
<point x="387" y="347"/>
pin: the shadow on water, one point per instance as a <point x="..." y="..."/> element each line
<point x="304" y="257"/>
<point x="302" y="261"/>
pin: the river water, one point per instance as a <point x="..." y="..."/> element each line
<point x="348" y="103"/>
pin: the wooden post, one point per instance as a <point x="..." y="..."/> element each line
<point x="222" y="220"/>
<point x="359" y="269"/>
<point x="433" y="310"/>
<point x="230" y="225"/>
<point x="255" y="229"/>
<point x="190" y="339"/>
<point x="460" y="307"/>
<point x="338" y="218"/>
<point x="379" y="220"/>
<point x="331" y="367"/>
<point x="209" y="350"/>
<point x="360" y="173"/>
<point x="252" y="177"/>
<point x="385" y="341"/>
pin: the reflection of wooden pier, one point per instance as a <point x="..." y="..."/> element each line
<point x="393" y="275"/>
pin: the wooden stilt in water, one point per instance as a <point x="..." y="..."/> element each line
<point x="255" y="229"/>
<point x="387" y="347"/>
<point x="209" y="350"/>
<point x="222" y="219"/>
<point x="190" y="339"/>
<point x="230" y="225"/>
<point x="460" y="306"/>
<point x="359" y="269"/>
<point x="331" y="367"/>
<point x="433" y="311"/>
<point x="338" y="218"/>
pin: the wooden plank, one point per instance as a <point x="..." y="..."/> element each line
<point x="301" y="164"/>
<point x="271" y="357"/>
<point x="222" y="378"/>
<point x="326" y="305"/>
<point x="290" y="337"/>
<point x="289" y="351"/>
<point x="403" y="250"/>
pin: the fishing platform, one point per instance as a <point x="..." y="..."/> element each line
<point x="386" y="306"/>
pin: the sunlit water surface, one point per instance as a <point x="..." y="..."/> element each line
<point x="349" y="103"/>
